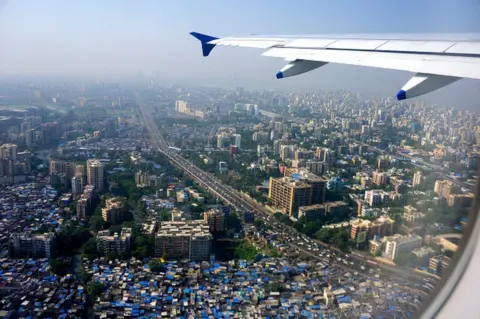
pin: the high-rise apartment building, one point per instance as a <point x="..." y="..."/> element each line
<point x="77" y="185"/>
<point x="439" y="264"/>
<point x="365" y="130"/>
<point x="237" y="140"/>
<point x="181" y="106"/>
<point x="261" y="137"/>
<point x="303" y="154"/>
<point x="184" y="239"/>
<point x="278" y="126"/>
<point x="80" y="170"/>
<point x="12" y="162"/>
<point x="443" y="188"/>
<point x="116" y="243"/>
<point x="33" y="245"/>
<point x="320" y="153"/>
<point x="380" y="178"/>
<point x="82" y="208"/>
<point x="114" y="210"/>
<point x="61" y="167"/>
<point x="398" y="244"/>
<point x="317" y="183"/>
<point x="411" y="214"/>
<point x="221" y="141"/>
<point x="277" y="146"/>
<point x="316" y="167"/>
<point x="84" y="203"/>
<point x="312" y="212"/>
<point x="376" y="197"/>
<point x="9" y="151"/>
<point x="95" y="174"/>
<point x="110" y="129"/>
<point x="287" y="151"/>
<point x="382" y="162"/>
<point x="330" y="156"/>
<point x="288" y="194"/>
<point x="215" y="219"/>
<point x="143" y="179"/>
<point x="417" y="178"/>
<point x="364" y="230"/>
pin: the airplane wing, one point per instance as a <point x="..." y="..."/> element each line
<point x="436" y="63"/>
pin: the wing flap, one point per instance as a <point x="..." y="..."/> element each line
<point x="261" y="43"/>
<point x="356" y="44"/>
<point x="416" y="46"/>
<point x="465" y="48"/>
<point x="417" y="63"/>
<point x="310" y="43"/>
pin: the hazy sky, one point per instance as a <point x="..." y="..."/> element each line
<point x="116" y="37"/>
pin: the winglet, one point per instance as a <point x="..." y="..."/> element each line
<point x="401" y="95"/>
<point x="204" y="39"/>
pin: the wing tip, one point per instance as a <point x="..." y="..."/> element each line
<point x="401" y="95"/>
<point x="204" y="39"/>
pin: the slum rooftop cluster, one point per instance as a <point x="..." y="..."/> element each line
<point x="26" y="207"/>
<point x="111" y="144"/>
<point x="239" y="289"/>
<point x="31" y="290"/>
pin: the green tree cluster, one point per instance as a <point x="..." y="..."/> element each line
<point x="311" y="226"/>
<point x="59" y="267"/>
<point x="156" y="266"/>
<point x="94" y="289"/>
<point x="89" y="249"/>
<point x="339" y="237"/>
<point x="259" y="224"/>
<point x="142" y="245"/>
<point x="245" y="251"/>
<point x="233" y="222"/>
<point x="70" y="239"/>
<point x="283" y="218"/>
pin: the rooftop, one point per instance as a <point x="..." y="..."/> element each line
<point x="197" y="228"/>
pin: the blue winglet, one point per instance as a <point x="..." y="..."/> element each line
<point x="204" y="39"/>
<point x="401" y="95"/>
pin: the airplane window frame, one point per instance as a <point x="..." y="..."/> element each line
<point x="450" y="280"/>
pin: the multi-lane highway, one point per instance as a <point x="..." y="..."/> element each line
<point x="240" y="202"/>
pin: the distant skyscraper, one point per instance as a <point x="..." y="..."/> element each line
<point x="220" y="141"/>
<point x="77" y="185"/>
<point x="61" y="167"/>
<point x="417" y="178"/>
<point x="279" y="127"/>
<point x="365" y="130"/>
<point x="273" y="135"/>
<point x="80" y="170"/>
<point x="110" y="127"/>
<point x="181" y="106"/>
<point x="8" y="152"/>
<point x="238" y="140"/>
<point x="261" y="137"/>
<point x="95" y="173"/>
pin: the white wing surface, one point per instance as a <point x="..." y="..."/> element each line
<point x="436" y="63"/>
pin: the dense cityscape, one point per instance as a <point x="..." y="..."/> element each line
<point x="153" y="201"/>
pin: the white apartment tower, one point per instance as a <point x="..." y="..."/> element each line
<point x="95" y="173"/>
